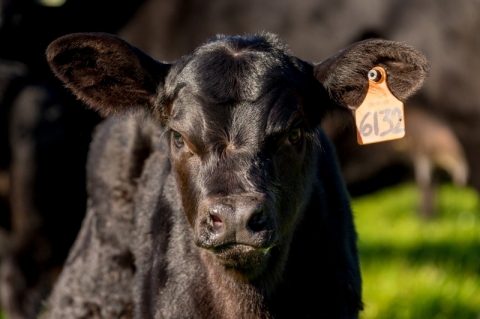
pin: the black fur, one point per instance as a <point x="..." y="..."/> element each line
<point x="219" y="197"/>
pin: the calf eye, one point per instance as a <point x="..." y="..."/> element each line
<point x="177" y="139"/>
<point x="295" y="136"/>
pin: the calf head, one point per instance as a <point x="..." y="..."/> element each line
<point x="241" y="115"/>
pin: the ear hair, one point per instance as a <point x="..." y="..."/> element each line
<point x="106" y="72"/>
<point x="344" y="75"/>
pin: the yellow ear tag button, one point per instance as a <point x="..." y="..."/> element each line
<point x="380" y="116"/>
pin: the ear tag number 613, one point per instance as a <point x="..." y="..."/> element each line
<point x="380" y="116"/>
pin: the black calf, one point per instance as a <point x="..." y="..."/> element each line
<point x="220" y="197"/>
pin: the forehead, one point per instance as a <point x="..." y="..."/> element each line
<point x="245" y="82"/>
<point x="242" y="122"/>
<point x="238" y="69"/>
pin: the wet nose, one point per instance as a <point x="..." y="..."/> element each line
<point x="246" y="220"/>
<point x="239" y="216"/>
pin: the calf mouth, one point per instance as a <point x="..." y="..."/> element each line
<point x="241" y="256"/>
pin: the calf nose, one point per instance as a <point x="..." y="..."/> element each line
<point x="242" y="221"/>
<point x="249" y="216"/>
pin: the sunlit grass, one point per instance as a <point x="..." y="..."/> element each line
<point x="414" y="268"/>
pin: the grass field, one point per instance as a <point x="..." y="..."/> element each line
<point x="419" y="269"/>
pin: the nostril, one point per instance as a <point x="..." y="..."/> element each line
<point x="258" y="221"/>
<point x="216" y="221"/>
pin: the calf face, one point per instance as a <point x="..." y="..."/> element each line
<point x="241" y="115"/>
<point x="240" y="147"/>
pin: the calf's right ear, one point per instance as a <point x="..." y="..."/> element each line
<point x="107" y="73"/>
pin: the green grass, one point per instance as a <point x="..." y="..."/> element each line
<point x="414" y="268"/>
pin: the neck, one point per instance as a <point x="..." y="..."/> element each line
<point x="236" y="294"/>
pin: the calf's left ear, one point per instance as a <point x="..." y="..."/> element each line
<point x="345" y="75"/>
<point x="107" y="73"/>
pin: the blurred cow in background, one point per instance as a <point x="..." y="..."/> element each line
<point x="42" y="157"/>
<point x="428" y="152"/>
<point x="44" y="137"/>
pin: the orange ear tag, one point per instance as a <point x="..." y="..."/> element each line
<point x="380" y="116"/>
